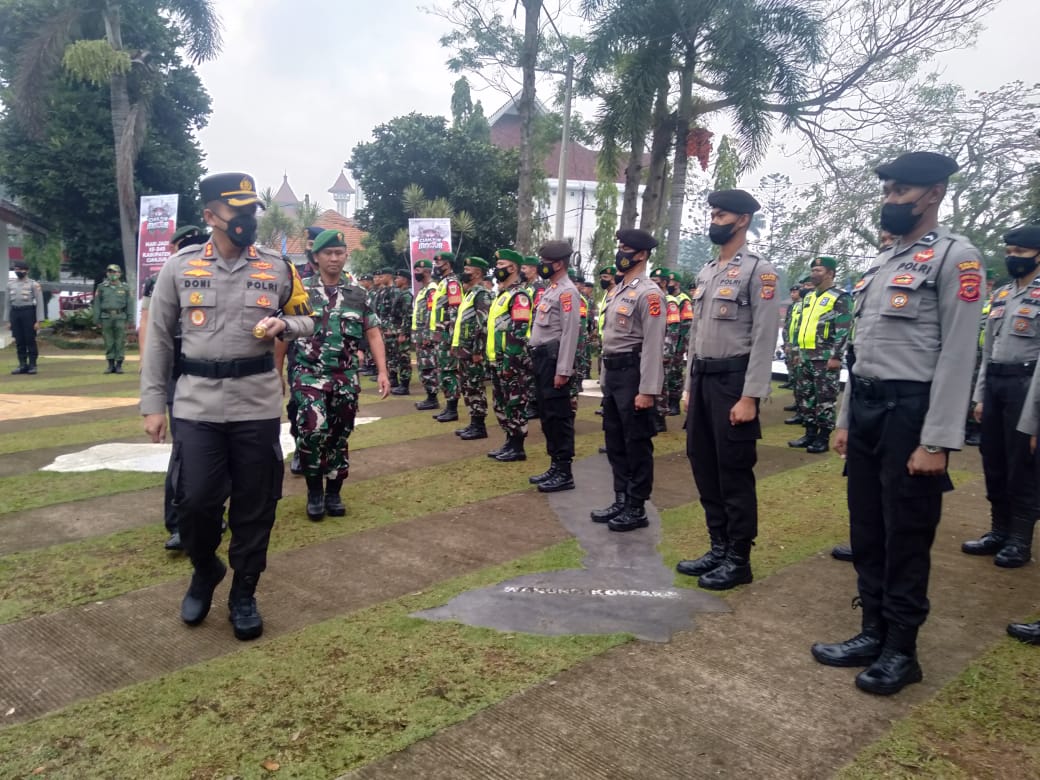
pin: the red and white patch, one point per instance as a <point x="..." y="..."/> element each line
<point x="768" y="292"/>
<point x="673" y="313"/>
<point x="924" y="256"/>
<point x="197" y="317"/>
<point x="654" y="304"/>
<point x="520" y="311"/>
<point x="970" y="287"/>
<point x="454" y="293"/>
<point x="1035" y="292"/>
<point x="1021" y="326"/>
<point x="899" y="300"/>
<point x="566" y="302"/>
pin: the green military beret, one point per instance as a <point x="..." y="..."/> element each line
<point x="607" y="269"/>
<point x="422" y="264"/>
<point x="477" y="262"/>
<point x="385" y="272"/>
<point x="188" y="231"/>
<point x="449" y="256"/>
<point x="365" y="278"/>
<point x="658" y="273"/>
<point x="326" y="239"/>
<point x="113" y="267"/>
<point x="404" y="273"/>
<point x="510" y="255"/>
<point x="673" y="276"/>
<point x="826" y="261"/>
<point x="529" y="260"/>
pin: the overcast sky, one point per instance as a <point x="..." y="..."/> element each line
<point x="299" y="83"/>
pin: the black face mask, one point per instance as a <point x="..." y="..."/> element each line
<point x="624" y="261"/>
<point x="720" y="234"/>
<point x="619" y="278"/>
<point x="465" y="277"/>
<point x="21" y="274"/>
<point x="673" y="289"/>
<point x="899" y="218"/>
<point x="241" y="230"/>
<point x="545" y="270"/>
<point x="604" y="284"/>
<point x="501" y="274"/>
<point x="1020" y="266"/>
<point x="437" y="274"/>
<point x="418" y="277"/>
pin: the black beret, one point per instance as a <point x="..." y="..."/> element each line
<point x="795" y="287"/>
<point x="365" y="278"/>
<point x="20" y="265"/>
<point x="404" y="273"/>
<point x="556" y="250"/>
<point x="314" y="231"/>
<point x="1024" y="235"/>
<point x="235" y="189"/>
<point x="734" y="201"/>
<point x="918" y="168"/>
<point x="385" y="272"/>
<point x="636" y="238"/>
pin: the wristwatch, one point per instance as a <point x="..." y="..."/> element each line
<point x="932" y="450"/>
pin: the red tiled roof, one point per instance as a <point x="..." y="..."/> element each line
<point x="331" y="220"/>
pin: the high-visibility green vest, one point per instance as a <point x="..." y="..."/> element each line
<point x="816" y="306"/>
<point x="466" y="305"/>
<point x="421" y="300"/>
<point x="982" y="326"/>
<point x="792" y="325"/>
<point x="437" y="312"/>
<point x="500" y="312"/>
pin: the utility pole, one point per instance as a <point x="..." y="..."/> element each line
<point x="561" y="193"/>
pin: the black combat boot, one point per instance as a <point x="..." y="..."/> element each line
<point x="1018" y="549"/>
<point x="561" y="480"/>
<point x="23" y="366"/>
<point x="118" y="368"/>
<point x="174" y="543"/>
<point x="673" y="407"/>
<point x="710" y="561"/>
<point x="796" y="420"/>
<point x="32" y="365"/>
<point x="820" y="443"/>
<point x="476" y="430"/>
<point x="660" y="426"/>
<point x="294" y="464"/>
<point x="333" y="503"/>
<point x="242" y="612"/>
<point x="514" y="450"/>
<point x="861" y="650"/>
<point x="805" y="439"/>
<point x="791" y="408"/>
<point x="315" y="499"/>
<point x="393" y="380"/>
<point x="897" y="665"/>
<point x="734" y="570"/>
<point x="842" y="552"/>
<point x="610" y="512"/>
<point x="633" y="518"/>
<point x="1025" y="632"/>
<point x="401" y="389"/>
<point x="196" y="603"/>
<point x="111" y="367"/>
<point x="430" y="402"/>
<point x="450" y="413"/>
<point x="972" y="433"/>
<point x="990" y="543"/>
<point x="460" y="431"/>
<point x="498" y="451"/>
<point x="546" y="475"/>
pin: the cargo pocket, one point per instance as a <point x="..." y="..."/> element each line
<point x="903" y="296"/>
<point x="198" y="310"/>
<point x="1024" y="321"/>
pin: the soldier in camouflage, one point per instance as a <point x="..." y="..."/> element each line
<point x="325" y="385"/>
<point x="660" y="276"/>
<point x="535" y="287"/>
<point x="675" y="378"/>
<point x="509" y="323"/>
<point x="468" y="344"/>
<point x="402" y="318"/>
<point x="446" y="301"/>
<point x="422" y="333"/>
<point x="582" y="355"/>
<point x="384" y="297"/>
<point x="823" y="330"/>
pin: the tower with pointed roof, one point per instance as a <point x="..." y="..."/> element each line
<point x="286" y="198"/>
<point x="343" y="195"/>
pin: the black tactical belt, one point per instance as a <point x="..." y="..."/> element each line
<point x="888" y="389"/>
<point x="227" y="369"/>
<point x="24" y="306"/>
<point x="552" y="348"/>
<point x="621" y="360"/>
<point x="720" y="365"/>
<point x="1010" y="369"/>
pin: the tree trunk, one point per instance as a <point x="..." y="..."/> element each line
<point x="125" y="143"/>
<point x="682" y="129"/>
<point x="659" y="147"/>
<point x="633" y="178"/>
<point x="525" y="186"/>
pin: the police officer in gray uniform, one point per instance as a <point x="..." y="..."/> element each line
<point x="553" y="344"/>
<point x="231" y="300"/>
<point x="1009" y="355"/>
<point x="24" y="306"/>
<point x="631" y="379"/>
<point x="735" y="321"/>
<point x="916" y="325"/>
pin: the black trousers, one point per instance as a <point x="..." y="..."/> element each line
<point x="169" y="495"/>
<point x="629" y="433"/>
<point x="723" y="456"/>
<point x="215" y="461"/>
<point x="22" y="320"/>
<point x="1010" y="469"/>
<point x="892" y="515"/>
<point x="554" y="406"/>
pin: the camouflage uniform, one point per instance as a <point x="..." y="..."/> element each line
<point x="534" y="291"/>
<point x="675" y="378"/>
<point x="446" y="302"/>
<point x="508" y="328"/>
<point x="672" y="356"/>
<point x="384" y="300"/>
<point x="819" y="383"/>
<point x="469" y="340"/>
<point x="401" y="316"/>
<point x="582" y="354"/>
<point x="422" y="336"/>
<point x="325" y="384"/>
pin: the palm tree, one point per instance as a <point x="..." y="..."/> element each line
<point x="307" y="213"/>
<point x="85" y="37"/>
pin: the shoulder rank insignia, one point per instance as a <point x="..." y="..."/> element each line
<point x="208" y="251"/>
<point x="928" y="238"/>
<point x="252" y="253"/>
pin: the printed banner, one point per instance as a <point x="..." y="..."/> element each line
<point x="158" y="224"/>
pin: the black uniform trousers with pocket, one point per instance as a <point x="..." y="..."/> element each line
<point x="628" y="431"/>
<point x="723" y="455"/>
<point x="216" y="461"/>
<point x="554" y="404"/>
<point x="1009" y="466"/>
<point x="892" y="515"/>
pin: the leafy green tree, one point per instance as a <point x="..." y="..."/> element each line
<point x="472" y="176"/>
<point x="727" y="165"/>
<point x="85" y="40"/>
